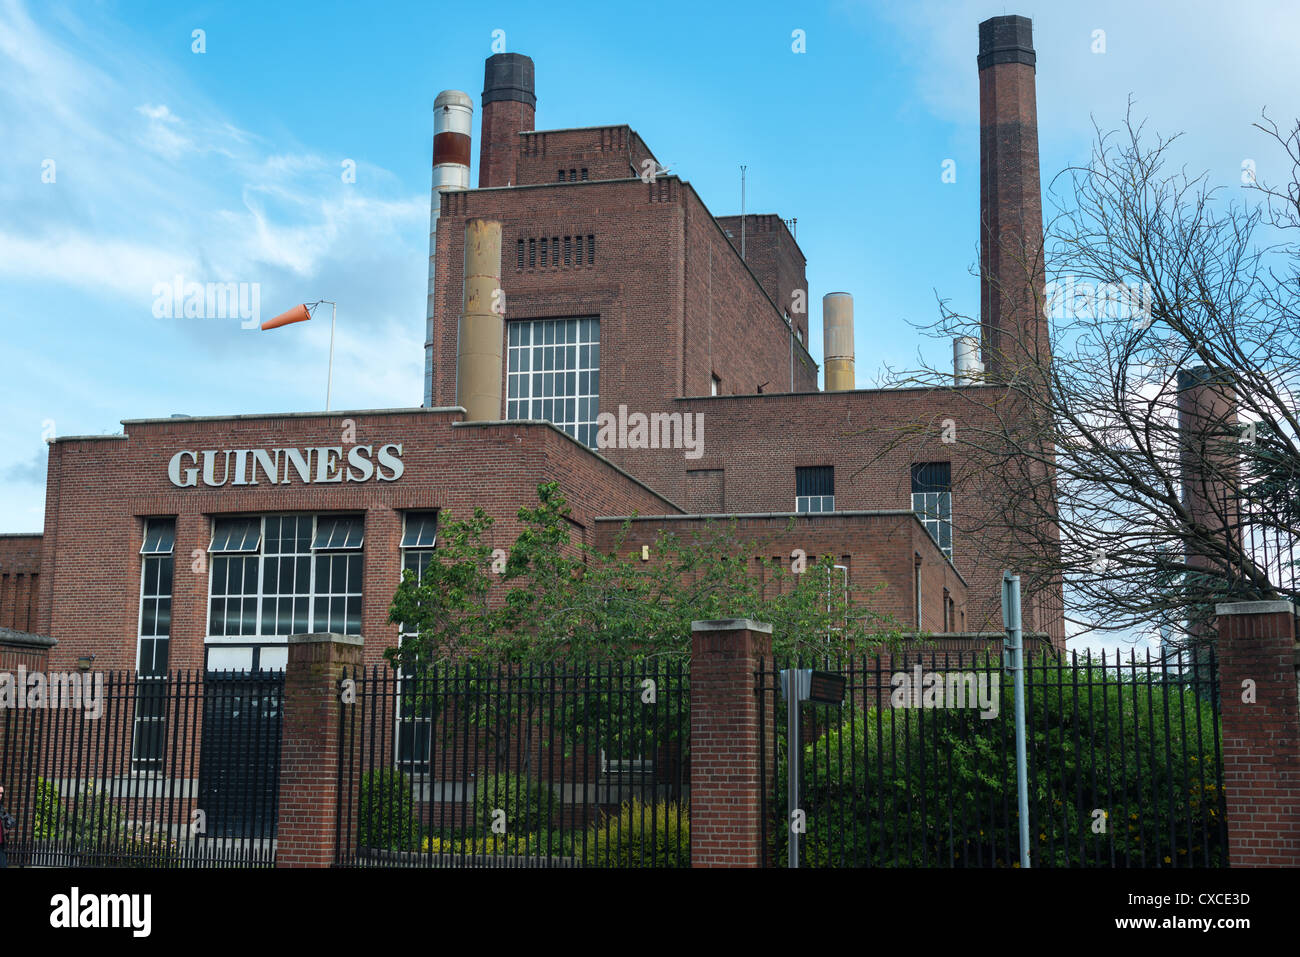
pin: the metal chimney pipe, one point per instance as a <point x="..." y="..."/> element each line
<point x="837" y="341"/>
<point x="482" y="324"/>
<point x="966" y="366"/>
<point x="453" y="116"/>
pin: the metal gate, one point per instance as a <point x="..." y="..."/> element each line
<point x="239" y="770"/>
<point x="918" y="767"/>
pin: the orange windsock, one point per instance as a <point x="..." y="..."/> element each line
<point x="298" y="313"/>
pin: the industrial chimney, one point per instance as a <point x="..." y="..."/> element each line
<point x="966" y="366"/>
<point x="1013" y="328"/>
<point x="453" y="113"/>
<point x="482" y="324"/>
<point x="837" y="341"/>
<point x="1207" y="436"/>
<point x="509" y="108"/>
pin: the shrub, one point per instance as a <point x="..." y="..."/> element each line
<point x="638" y="835"/>
<point x="48" y="821"/>
<point x="94" y="827"/>
<point x="387" y="811"/>
<point x="527" y="802"/>
<point x="529" y="845"/>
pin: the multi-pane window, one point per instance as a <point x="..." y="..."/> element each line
<point x="336" y="604"/>
<point x="155" y="634"/>
<point x="932" y="501"/>
<point x="233" y="588"/>
<point x="419" y="536"/>
<point x="519" y="254"/>
<point x="553" y="373"/>
<point x="284" y="575"/>
<point x="814" y="489"/>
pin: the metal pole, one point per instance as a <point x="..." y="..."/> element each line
<point x="1015" y="646"/>
<point x="793" y="753"/>
<point x="329" y="382"/>
<point x="742" y="213"/>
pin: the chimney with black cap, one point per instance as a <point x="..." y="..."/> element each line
<point x="1012" y="277"/>
<point x="509" y="108"/>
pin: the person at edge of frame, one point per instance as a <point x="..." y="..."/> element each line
<point x="7" y="823"/>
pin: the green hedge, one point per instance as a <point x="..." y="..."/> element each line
<point x="641" y="835"/>
<point x="884" y="794"/>
<point x="386" y="811"/>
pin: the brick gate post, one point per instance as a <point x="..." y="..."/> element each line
<point x="726" y="820"/>
<point x="1261" y="738"/>
<point x="309" y="747"/>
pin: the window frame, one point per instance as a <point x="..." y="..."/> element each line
<point x="313" y="596"/>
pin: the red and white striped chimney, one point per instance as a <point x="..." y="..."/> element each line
<point x="453" y="115"/>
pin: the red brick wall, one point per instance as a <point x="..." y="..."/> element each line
<point x="605" y="152"/>
<point x="675" y="302"/>
<point x="100" y="490"/>
<point x="775" y="258"/>
<point x="872" y="437"/>
<point x="20" y="572"/>
<point x="877" y="549"/>
<point x="1261" y="739"/>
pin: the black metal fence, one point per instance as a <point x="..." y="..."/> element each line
<point x="918" y="766"/>
<point x="122" y="769"/>
<point x="488" y="766"/>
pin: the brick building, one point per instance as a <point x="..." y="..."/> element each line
<point x="629" y="353"/>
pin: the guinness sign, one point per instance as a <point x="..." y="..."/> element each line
<point x="321" y="465"/>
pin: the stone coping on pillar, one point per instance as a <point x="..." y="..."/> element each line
<point x="1255" y="608"/>
<point x="25" y="639"/>
<point x="732" y="624"/>
<point x="327" y="638"/>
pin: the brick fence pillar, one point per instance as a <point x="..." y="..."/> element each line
<point x="726" y="787"/>
<point x="309" y="747"/>
<point x="21" y="729"/>
<point x="1261" y="739"/>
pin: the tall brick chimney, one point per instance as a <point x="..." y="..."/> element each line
<point x="1207" y="434"/>
<point x="1012" y="277"/>
<point x="509" y="108"/>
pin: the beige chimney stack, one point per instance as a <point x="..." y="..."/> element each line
<point x="482" y="324"/>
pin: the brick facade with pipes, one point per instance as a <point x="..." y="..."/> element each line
<point x="20" y="575"/>
<point x="680" y="313"/>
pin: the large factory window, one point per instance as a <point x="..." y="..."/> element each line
<point x="419" y="536"/>
<point x="814" y="489"/>
<point x="553" y="374"/>
<point x="285" y="574"/>
<point x="932" y="501"/>
<point x="155" y="635"/>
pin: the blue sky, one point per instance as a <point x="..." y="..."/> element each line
<point x="226" y="165"/>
